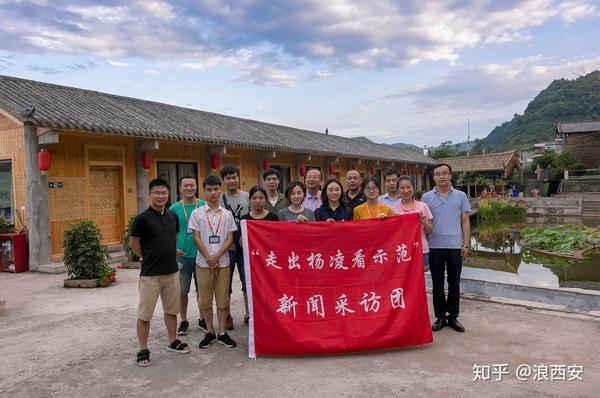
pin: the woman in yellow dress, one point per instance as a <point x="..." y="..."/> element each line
<point x="371" y="208"/>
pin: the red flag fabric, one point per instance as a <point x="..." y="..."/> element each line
<point x="316" y="288"/>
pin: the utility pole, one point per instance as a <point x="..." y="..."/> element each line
<point x="468" y="156"/>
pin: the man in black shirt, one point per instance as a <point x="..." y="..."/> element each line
<point x="154" y="238"/>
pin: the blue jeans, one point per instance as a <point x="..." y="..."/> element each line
<point x="187" y="270"/>
<point x="236" y="258"/>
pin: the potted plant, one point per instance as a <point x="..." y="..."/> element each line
<point x="85" y="256"/>
<point x="132" y="260"/>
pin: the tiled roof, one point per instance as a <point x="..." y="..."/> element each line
<point x="580" y="127"/>
<point x="491" y="162"/>
<point x="91" y="111"/>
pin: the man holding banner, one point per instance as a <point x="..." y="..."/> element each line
<point x="335" y="287"/>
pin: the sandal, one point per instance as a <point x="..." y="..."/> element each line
<point x="143" y="358"/>
<point x="179" y="347"/>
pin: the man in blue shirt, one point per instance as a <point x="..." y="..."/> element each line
<point x="448" y="244"/>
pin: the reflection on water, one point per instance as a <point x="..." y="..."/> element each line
<point x="497" y="256"/>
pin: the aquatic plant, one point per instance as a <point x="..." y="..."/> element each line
<point x="565" y="238"/>
<point x="497" y="208"/>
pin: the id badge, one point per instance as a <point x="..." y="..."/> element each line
<point x="214" y="239"/>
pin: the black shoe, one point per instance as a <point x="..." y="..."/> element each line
<point x="438" y="324"/>
<point x="208" y="339"/>
<point x="455" y="324"/>
<point x="202" y="325"/>
<point x="226" y="340"/>
<point x="183" y="328"/>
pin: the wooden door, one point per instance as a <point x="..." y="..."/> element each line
<point x="105" y="192"/>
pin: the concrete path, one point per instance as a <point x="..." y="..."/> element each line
<point x="73" y="343"/>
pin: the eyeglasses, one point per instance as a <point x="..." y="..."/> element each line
<point x="443" y="174"/>
<point x="371" y="189"/>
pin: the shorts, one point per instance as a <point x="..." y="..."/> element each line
<point x="213" y="282"/>
<point x="187" y="270"/>
<point x="151" y="287"/>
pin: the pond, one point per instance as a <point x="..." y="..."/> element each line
<point x="497" y="256"/>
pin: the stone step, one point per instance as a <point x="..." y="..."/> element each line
<point x="116" y="257"/>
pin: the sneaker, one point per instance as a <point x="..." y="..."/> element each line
<point x="208" y="339"/>
<point x="226" y="340"/>
<point x="183" y="328"/>
<point x="202" y="325"/>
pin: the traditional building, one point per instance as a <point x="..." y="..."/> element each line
<point x="582" y="140"/>
<point x="104" y="148"/>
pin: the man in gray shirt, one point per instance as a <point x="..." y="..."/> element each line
<point x="238" y="203"/>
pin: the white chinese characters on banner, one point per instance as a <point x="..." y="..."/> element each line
<point x="337" y="261"/>
<point x="271" y="260"/>
<point x="380" y="256"/>
<point x="401" y="254"/>
<point x="316" y="305"/>
<point x="287" y="305"/>
<point x="315" y="261"/>
<point x="293" y="261"/>
<point x="359" y="259"/>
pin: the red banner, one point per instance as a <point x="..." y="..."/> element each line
<point x="321" y="287"/>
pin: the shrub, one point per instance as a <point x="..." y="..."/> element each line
<point x="578" y="168"/>
<point x="85" y="256"/>
<point x="5" y="225"/>
<point x="496" y="208"/>
<point x="129" y="253"/>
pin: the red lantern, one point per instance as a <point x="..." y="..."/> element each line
<point x="44" y="160"/>
<point x="372" y="170"/>
<point x="214" y="162"/>
<point x="302" y="170"/>
<point x="403" y="172"/>
<point x="353" y="167"/>
<point x="146" y="160"/>
<point x="331" y="169"/>
<point x="266" y="164"/>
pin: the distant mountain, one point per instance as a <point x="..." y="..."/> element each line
<point x="363" y="139"/>
<point x="397" y="145"/>
<point x="562" y="101"/>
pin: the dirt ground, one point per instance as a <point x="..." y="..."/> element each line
<point x="74" y="342"/>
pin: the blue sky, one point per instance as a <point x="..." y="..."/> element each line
<point x="394" y="71"/>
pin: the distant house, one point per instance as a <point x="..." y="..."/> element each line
<point x="499" y="165"/>
<point x="582" y="140"/>
<point x="104" y="148"/>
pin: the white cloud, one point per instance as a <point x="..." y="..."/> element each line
<point x="118" y="63"/>
<point x="151" y="72"/>
<point x="263" y="75"/>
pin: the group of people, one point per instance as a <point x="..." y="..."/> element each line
<point x="200" y="240"/>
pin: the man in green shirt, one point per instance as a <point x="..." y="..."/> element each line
<point x="186" y="249"/>
<point x="275" y="200"/>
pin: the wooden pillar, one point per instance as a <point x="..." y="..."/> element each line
<point x="37" y="204"/>
<point x="141" y="179"/>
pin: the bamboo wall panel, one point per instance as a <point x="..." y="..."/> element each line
<point x="66" y="203"/>
<point x="12" y="147"/>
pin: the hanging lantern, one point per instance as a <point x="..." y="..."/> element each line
<point x="214" y="162"/>
<point x="266" y="164"/>
<point x="353" y="167"/>
<point x="302" y="170"/>
<point x="372" y="170"/>
<point x="44" y="160"/>
<point x="331" y="169"/>
<point x="403" y="172"/>
<point x="146" y="160"/>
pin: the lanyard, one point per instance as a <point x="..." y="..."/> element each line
<point x="369" y="210"/>
<point x="187" y="218"/>
<point x="209" y="223"/>
<point x="317" y="204"/>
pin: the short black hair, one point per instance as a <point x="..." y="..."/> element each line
<point x="211" y="180"/>
<point x="187" y="177"/>
<point x="390" y="172"/>
<point x="255" y="189"/>
<point x="324" y="197"/>
<point x="373" y="180"/>
<point x="271" y="171"/>
<point x="437" y="166"/>
<point x="406" y="178"/>
<point x="291" y="186"/>
<point x="229" y="169"/>
<point x="158" y="182"/>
